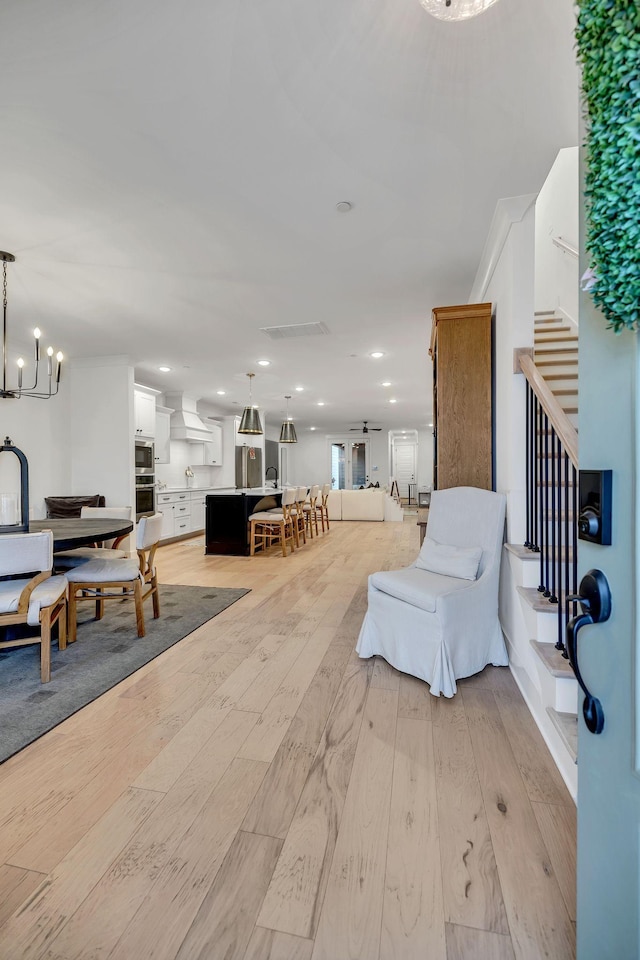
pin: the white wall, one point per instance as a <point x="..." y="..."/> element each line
<point x="557" y="272"/>
<point x="40" y="429"/>
<point x="425" y="458"/>
<point x="101" y="429"/>
<point x="508" y="282"/>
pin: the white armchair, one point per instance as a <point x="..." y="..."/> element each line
<point x="434" y="625"/>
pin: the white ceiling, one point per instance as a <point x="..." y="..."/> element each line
<point x="169" y="176"/>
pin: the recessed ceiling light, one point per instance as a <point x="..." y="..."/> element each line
<point x="164" y="369"/>
<point x="264" y="363"/>
<point x="343" y="206"/>
<point x="393" y="400"/>
<point x="321" y="403"/>
<point x="221" y="393"/>
<point x="376" y="354"/>
<point x="312" y="428"/>
<point x="299" y="389"/>
<point x="386" y="383"/>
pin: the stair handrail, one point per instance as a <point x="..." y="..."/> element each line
<point x="559" y="420"/>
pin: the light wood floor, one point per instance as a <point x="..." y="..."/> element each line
<point x="259" y="792"/>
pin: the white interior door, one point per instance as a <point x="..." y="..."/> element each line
<point x="404" y="466"/>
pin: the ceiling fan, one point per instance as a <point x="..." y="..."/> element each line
<point x="365" y="428"/>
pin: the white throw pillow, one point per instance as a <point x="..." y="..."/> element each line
<point x="460" y="562"/>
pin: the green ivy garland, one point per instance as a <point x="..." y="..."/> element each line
<point x="608" y="37"/>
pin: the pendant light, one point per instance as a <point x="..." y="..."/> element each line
<point x="42" y="391"/>
<point x="250" y="423"/>
<point x="287" y="430"/>
<point x="456" y="9"/>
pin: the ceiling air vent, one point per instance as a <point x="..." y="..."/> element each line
<point x="294" y="330"/>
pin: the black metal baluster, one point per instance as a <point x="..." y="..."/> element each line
<point x="563" y="612"/>
<point x="544" y="586"/>
<point x="528" y="540"/>
<point x="574" y="527"/>
<point x="536" y="469"/>
<point x="541" y="472"/>
<point x="553" y="596"/>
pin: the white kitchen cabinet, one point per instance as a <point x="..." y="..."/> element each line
<point x="144" y="414"/>
<point x="176" y="510"/>
<point x="167" y="520"/>
<point x="209" y="452"/>
<point x="163" y="442"/>
<point x="197" y="511"/>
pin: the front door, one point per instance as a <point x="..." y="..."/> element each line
<point x="404" y="466"/>
<point x="608" y="764"/>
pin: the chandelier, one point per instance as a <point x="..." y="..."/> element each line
<point x="456" y="9"/>
<point x="288" y="430"/>
<point x="53" y="377"/>
<point x="250" y="422"/>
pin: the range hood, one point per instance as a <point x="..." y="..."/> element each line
<point x="185" y="423"/>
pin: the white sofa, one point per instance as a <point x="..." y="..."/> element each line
<point x="371" y="504"/>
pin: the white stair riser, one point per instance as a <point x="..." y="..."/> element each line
<point x="540" y="626"/>
<point x="561" y="693"/>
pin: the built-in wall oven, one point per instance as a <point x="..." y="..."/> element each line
<point x="145" y="496"/>
<point x="145" y="479"/>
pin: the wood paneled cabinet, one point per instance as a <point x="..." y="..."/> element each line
<point x="462" y="388"/>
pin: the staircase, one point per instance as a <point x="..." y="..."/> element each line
<point x="555" y="354"/>
<point x="545" y="677"/>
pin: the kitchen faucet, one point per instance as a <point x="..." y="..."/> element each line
<point x="266" y="473"/>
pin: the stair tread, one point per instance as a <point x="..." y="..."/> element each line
<point x="561" y="376"/>
<point x="567" y="726"/>
<point x="564" y="362"/>
<point x="553" y="660"/>
<point x="549" y="335"/>
<point x="533" y="597"/>
<point x="554" y="349"/>
<point x="522" y="552"/>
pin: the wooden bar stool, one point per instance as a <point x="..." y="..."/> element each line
<point x="269" y="526"/>
<point x="310" y="511"/>
<point x="298" y="515"/>
<point x="323" y="506"/>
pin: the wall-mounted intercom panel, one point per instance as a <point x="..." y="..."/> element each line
<point x="594" y="518"/>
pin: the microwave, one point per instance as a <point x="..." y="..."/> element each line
<point x="145" y="457"/>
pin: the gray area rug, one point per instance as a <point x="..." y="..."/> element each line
<point x="105" y="652"/>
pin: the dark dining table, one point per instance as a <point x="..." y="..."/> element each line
<point x="77" y="532"/>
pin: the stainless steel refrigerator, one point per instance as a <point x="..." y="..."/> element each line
<point x="249" y="467"/>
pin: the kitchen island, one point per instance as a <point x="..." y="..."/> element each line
<point x="227" y="518"/>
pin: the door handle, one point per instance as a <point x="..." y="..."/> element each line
<point x="594" y="597"/>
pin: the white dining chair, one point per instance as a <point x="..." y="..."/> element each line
<point x="119" y="579"/>
<point x="37" y="600"/>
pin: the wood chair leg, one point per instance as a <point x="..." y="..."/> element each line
<point x="155" y="596"/>
<point x="62" y="626"/>
<point x="45" y="646"/>
<point x="137" y="596"/>
<point x="252" y="538"/>
<point x="72" y="614"/>
<point x="99" y="605"/>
